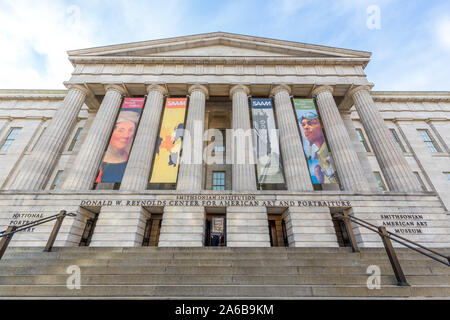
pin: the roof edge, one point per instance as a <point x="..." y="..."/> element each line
<point x="132" y="45"/>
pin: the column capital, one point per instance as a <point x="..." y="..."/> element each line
<point x="279" y="88"/>
<point x="117" y="88"/>
<point x="237" y="87"/>
<point x="156" y="86"/>
<point x="79" y="87"/>
<point x="200" y="87"/>
<point x="355" y="89"/>
<point x="320" y="89"/>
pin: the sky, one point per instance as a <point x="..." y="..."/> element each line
<point x="409" y="39"/>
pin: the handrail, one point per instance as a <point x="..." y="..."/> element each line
<point x="410" y="241"/>
<point x="386" y="237"/>
<point x="7" y="234"/>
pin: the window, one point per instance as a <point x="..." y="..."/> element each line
<point x="56" y="180"/>
<point x="428" y="140"/>
<point x="75" y="139"/>
<point x="12" y="135"/>
<point x="419" y="181"/>
<point x="399" y="143"/>
<point x="218" y="180"/>
<point x="380" y="182"/>
<point x="362" y="140"/>
<point x="447" y="175"/>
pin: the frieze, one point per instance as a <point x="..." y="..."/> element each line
<point x="217" y="201"/>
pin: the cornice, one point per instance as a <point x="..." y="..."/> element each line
<point x="410" y="96"/>
<point x="189" y="60"/>
<point x="176" y="43"/>
<point x="24" y="94"/>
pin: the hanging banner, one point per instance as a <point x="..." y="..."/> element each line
<point x="168" y="146"/>
<point x="319" y="158"/>
<point x="116" y="156"/>
<point x="268" y="164"/>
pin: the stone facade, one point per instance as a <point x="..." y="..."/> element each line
<point x="51" y="166"/>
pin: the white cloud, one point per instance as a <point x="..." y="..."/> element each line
<point x="39" y="32"/>
<point x="35" y="35"/>
<point x="443" y="32"/>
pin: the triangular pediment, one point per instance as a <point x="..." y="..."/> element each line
<point x="218" y="51"/>
<point x="219" y="44"/>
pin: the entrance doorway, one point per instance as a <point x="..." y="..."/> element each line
<point x="88" y="230"/>
<point x="341" y="232"/>
<point x="215" y="230"/>
<point x="277" y="231"/>
<point x="152" y="230"/>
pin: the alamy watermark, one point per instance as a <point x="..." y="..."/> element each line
<point x="74" y="280"/>
<point x="230" y="146"/>
<point x="374" y="280"/>
<point x="373" y="21"/>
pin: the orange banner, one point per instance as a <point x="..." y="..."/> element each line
<point x="168" y="147"/>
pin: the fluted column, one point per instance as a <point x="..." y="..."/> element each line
<point x="37" y="168"/>
<point x="82" y="174"/>
<point x="349" y="169"/>
<point x="396" y="171"/>
<point x="295" y="167"/>
<point x="243" y="171"/>
<point x="137" y="173"/>
<point x="246" y="226"/>
<point x="185" y="226"/>
<point x="190" y="174"/>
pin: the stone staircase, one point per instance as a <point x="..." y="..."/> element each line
<point x="217" y="273"/>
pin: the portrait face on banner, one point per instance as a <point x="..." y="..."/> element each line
<point x="316" y="150"/>
<point x="116" y="156"/>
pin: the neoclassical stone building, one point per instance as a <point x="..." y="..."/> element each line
<point x="389" y="150"/>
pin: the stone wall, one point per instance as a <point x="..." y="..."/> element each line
<point x="419" y="217"/>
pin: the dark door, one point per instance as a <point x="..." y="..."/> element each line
<point x="152" y="230"/>
<point x="215" y="231"/>
<point x="88" y="231"/>
<point x="341" y="232"/>
<point x="147" y="233"/>
<point x="273" y="233"/>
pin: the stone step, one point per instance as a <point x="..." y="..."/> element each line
<point x="204" y="270"/>
<point x="151" y="272"/>
<point x="214" y="249"/>
<point x="223" y="291"/>
<point x="160" y="279"/>
<point x="222" y="262"/>
<point x="206" y="255"/>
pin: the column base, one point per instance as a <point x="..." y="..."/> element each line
<point x="247" y="227"/>
<point x="182" y="227"/>
<point x="310" y="227"/>
<point x="120" y="227"/>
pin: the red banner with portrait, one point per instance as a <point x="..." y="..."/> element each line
<point x="116" y="156"/>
